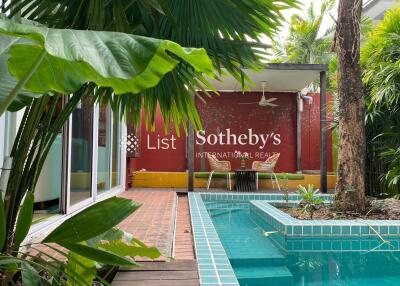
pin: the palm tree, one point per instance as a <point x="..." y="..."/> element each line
<point x="305" y="44"/>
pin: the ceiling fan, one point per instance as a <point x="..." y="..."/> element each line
<point x="263" y="101"/>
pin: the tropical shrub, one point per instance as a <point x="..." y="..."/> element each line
<point x="380" y="58"/>
<point x="310" y="200"/>
<point x="87" y="241"/>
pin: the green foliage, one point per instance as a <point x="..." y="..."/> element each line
<point x="308" y="44"/>
<point x="24" y="219"/>
<point x="99" y="255"/>
<point x="305" y="44"/>
<point x="124" y="244"/>
<point x="380" y="58"/>
<point x="173" y="74"/>
<point x="80" y="227"/>
<point x="283" y="183"/>
<point x="125" y="63"/>
<point x="85" y="269"/>
<point x="92" y="242"/>
<point x="193" y="23"/>
<point x="310" y="199"/>
<point x="30" y="277"/>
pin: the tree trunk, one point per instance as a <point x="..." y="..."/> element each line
<point x="350" y="188"/>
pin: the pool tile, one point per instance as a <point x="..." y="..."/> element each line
<point x="317" y="230"/>
<point x="312" y="235"/>
<point x="327" y="230"/>
<point x="336" y="230"/>
<point x="307" y="230"/>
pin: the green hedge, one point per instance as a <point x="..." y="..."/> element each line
<point x="289" y="176"/>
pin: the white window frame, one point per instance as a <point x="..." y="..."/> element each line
<point x="94" y="196"/>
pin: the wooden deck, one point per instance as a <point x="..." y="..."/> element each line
<point x="154" y="223"/>
<point x="175" y="273"/>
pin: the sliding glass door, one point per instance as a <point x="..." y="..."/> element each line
<point x="116" y="153"/>
<point x="81" y="153"/>
<point x="104" y="150"/>
<point x="94" y="155"/>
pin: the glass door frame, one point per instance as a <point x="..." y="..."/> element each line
<point x="65" y="206"/>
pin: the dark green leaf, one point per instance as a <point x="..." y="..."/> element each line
<point x="8" y="82"/>
<point x="126" y="63"/>
<point x="24" y="219"/>
<point x="85" y="270"/>
<point x="30" y="277"/>
<point x="99" y="255"/>
<point x="130" y="249"/>
<point x="93" y="221"/>
<point x="112" y="234"/>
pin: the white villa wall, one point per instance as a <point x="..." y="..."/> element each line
<point x="375" y="9"/>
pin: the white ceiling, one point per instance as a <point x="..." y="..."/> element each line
<point x="278" y="80"/>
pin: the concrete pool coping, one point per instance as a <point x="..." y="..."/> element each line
<point x="290" y="226"/>
<point x="293" y="234"/>
<point x="213" y="263"/>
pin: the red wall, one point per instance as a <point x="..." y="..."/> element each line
<point x="225" y="112"/>
<point x="160" y="158"/>
<point x="310" y="137"/>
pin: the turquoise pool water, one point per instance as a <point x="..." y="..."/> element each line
<point x="258" y="258"/>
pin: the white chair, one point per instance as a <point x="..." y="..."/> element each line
<point x="267" y="166"/>
<point x="220" y="167"/>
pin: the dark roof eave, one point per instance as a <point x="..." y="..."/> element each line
<point x="288" y="66"/>
<point x="368" y="5"/>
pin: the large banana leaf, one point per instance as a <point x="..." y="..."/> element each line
<point x="8" y="82"/>
<point x="99" y="255"/>
<point x="63" y="60"/>
<point x="92" y="221"/>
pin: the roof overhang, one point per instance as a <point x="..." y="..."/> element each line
<point x="278" y="78"/>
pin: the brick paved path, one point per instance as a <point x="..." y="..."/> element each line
<point x="153" y="222"/>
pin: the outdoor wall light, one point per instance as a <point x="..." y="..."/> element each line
<point x="303" y="95"/>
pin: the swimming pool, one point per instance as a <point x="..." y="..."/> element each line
<point x="260" y="254"/>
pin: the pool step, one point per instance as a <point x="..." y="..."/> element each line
<point x="264" y="275"/>
<point x="221" y="212"/>
<point x="261" y="261"/>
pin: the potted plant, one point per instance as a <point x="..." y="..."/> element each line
<point x="243" y="156"/>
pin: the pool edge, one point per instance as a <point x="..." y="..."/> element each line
<point x="212" y="260"/>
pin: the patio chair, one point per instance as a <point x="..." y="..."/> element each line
<point x="220" y="167"/>
<point x="267" y="166"/>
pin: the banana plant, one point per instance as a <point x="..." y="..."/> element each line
<point x="52" y="63"/>
<point x="39" y="67"/>
<point x="84" y="241"/>
<point x="62" y="60"/>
